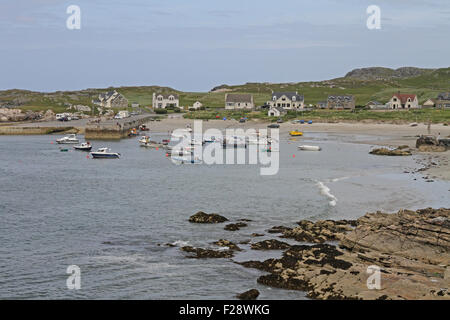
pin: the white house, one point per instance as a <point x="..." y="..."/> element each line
<point x="287" y="100"/>
<point x="111" y="99"/>
<point x="239" y="101"/>
<point x="197" y="105"/>
<point x="403" y="101"/>
<point x="276" y="111"/>
<point x="165" y="100"/>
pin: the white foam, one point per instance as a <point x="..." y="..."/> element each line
<point x="339" y="179"/>
<point x="180" y="243"/>
<point x="326" y="192"/>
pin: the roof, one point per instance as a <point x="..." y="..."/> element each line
<point x="404" y="97"/>
<point x="233" y="97"/>
<point x="289" y="95"/>
<point x="167" y="95"/>
<point x="444" y="96"/>
<point x="340" y="98"/>
<point x="280" y="109"/>
<point x="376" y="103"/>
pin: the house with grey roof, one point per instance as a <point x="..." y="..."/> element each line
<point x="443" y="100"/>
<point x="111" y="99"/>
<point x="238" y="101"/>
<point x="276" y="111"/>
<point x="287" y="100"/>
<point x="164" y="100"/>
<point x="341" y="102"/>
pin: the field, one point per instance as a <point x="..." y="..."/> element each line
<point x="427" y="85"/>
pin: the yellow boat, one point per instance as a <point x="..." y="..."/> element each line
<point x="296" y="133"/>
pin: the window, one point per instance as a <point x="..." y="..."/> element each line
<point x="293" y="98"/>
<point x="274" y="98"/>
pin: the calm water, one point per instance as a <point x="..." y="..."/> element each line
<point x="109" y="216"/>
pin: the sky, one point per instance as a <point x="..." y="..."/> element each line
<point x="194" y="45"/>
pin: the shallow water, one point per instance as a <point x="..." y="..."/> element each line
<point x="113" y="217"/>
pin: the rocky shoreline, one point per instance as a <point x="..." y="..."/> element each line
<point x="403" y="255"/>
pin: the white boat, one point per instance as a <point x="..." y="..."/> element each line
<point x="186" y="159"/>
<point x="104" y="153"/>
<point x="85" y="146"/>
<point x="309" y="148"/>
<point x="69" y="139"/>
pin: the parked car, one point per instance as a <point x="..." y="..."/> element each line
<point x="273" y="125"/>
<point x="279" y="121"/>
<point x="242" y="120"/>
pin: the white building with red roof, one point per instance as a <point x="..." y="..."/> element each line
<point x="403" y="101"/>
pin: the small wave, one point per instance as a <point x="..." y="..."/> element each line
<point x="180" y="243"/>
<point x="339" y="179"/>
<point x="326" y="192"/>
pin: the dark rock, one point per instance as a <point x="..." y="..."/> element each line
<point x="271" y="244"/>
<point x="426" y="140"/>
<point x="201" y="217"/>
<point x="278" y="229"/>
<point x="248" y="295"/>
<point x="235" y="226"/>
<point x="257" y="235"/>
<point x="201" y="253"/>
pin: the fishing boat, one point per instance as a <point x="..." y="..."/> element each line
<point x="69" y="139"/>
<point x="105" y="153"/>
<point x="309" y="148"/>
<point x="85" y="146"/>
<point x="143" y="127"/>
<point x="295" y="133"/>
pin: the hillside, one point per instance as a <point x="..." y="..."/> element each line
<point x="365" y="84"/>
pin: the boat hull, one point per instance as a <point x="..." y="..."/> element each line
<point x="104" y="155"/>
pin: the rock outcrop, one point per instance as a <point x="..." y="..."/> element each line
<point x="409" y="251"/>
<point x="235" y="226"/>
<point x="390" y="152"/>
<point x="248" y="295"/>
<point x="271" y="244"/>
<point x="201" y="217"/>
<point x="320" y="231"/>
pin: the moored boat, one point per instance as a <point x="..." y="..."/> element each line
<point x="85" y="146"/>
<point x="309" y="148"/>
<point x="295" y="133"/>
<point x="104" y="153"/>
<point x="69" y="139"/>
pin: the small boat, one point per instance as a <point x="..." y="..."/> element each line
<point x="188" y="159"/>
<point x="104" y="153"/>
<point x="210" y="140"/>
<point x="133" y="132"/>
<point x="71" y="138"/>
<point x="309" y="148"/>
<point x="165" y="142"/>
<point x="414" y="124"/>
<point x="295" y="133"/>
<point x="63" y="149"/>
<point x="85" y="146"/>
<point x="143" y="127"/>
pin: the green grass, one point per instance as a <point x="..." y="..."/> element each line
<point x="428" y="85"/>
<point x="407" y="116"/>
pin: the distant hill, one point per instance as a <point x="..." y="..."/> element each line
<point x="378" y="73"/>
<point x="365" y="84"/>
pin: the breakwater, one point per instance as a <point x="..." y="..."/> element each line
<point x="114" y="129"/>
